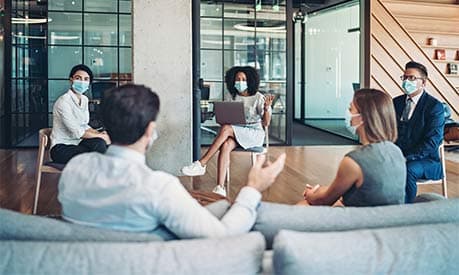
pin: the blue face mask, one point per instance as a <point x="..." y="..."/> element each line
<point x="241" y="86"/>
<point x="348" y="122"/>
<point x="80" y="86"/>
<point x="409" y="87"/>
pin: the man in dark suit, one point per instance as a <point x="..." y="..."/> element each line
<point x="420" y="119"/>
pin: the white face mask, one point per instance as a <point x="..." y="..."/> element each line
<point x="348" y="122"/>
<point x="154" y="137"/>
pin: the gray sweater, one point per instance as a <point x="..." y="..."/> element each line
<point x="384" y="176"/>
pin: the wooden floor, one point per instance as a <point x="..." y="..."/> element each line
<point x="306" y="164"/>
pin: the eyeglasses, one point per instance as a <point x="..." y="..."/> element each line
<point x="410" y="77"/>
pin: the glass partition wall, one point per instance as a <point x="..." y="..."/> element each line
<point x="331" y="67"/>
<point x="48" y="38"/>
<point x="242" y="35"/>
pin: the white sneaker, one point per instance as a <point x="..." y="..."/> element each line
<point x="194" y="169"/>
<point x="220" y="190"/>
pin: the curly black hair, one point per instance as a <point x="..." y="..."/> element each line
<point x="253" y="79"/>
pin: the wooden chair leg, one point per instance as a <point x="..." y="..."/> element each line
<point x="254" y="158"/>
<point x="227" y="179"/>
<point x="37" y="193"/>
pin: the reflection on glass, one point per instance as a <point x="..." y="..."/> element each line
<point x="239" y="11"/>
<point x="211" y="9"/>
<point x="125" y="30"/>
<point x="236" y="37"/>
<point x="56" y="88"/>
<point x="211" y="65"/>
<point x="61" y="59"/>
<point x="125" y="6"/>
<point x="215" y="90"/>
<point x="65" y="28"/>
<point x="211" y="33"/>
<point x="238" y="58"/>
<point x="102" y="61"/>
<point x="101" y="5"/>
<point x="100" y="29"/>
<point x="65" y="5"/>
<point x="28" y="61"/>
<point x="22" y="33"/>
<point x="125" y="66"/>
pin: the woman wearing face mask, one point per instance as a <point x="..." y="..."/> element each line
<point x="71" y="134"/>
<point x="242" y="84"/>
<point x="375" y="173"/>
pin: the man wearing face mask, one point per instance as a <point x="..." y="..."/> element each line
<point x="420" y="119"/>
<point x="71" y="135"/>
<point x="117" y="190"/>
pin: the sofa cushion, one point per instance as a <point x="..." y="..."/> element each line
<point x="17" y="226"/>
<point x="273" y="217"/>
<point x="231" y="255"/>
<point x="420" y="249"/>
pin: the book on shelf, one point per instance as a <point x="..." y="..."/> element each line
<point x="440" y="54"/>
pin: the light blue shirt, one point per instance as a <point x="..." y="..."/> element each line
<point x="117" y="190"/>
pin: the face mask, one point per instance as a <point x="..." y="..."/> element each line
<point x="347" y="120"/>
<point x="154" y="137"/>
<point x="240" y="86"/>
<point x="409" y="87"/>
<point x="80" y="86"/>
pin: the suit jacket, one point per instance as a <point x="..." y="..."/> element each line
<point x="420" y="137"/>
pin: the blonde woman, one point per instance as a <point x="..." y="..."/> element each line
<point x="375" y="173"/>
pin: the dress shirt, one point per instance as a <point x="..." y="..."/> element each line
<point x="70" y="119"/>
<point x="117" y="190"/>
<point x="415" y="100"/>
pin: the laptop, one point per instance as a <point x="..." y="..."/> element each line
<point x="227" y="112"/>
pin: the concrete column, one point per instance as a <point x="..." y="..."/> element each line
<point x="162" y="60"/>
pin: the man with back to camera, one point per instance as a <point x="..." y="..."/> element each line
<point x="420" y="121"/>
<point x="117" y="190"/>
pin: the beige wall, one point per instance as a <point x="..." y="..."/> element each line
<point x="162" y="60"/>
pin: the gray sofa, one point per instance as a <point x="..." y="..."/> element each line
<point x="422" y="238"/>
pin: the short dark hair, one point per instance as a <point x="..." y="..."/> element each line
<point x="126" y="112"/>
<point x="418" y="66"/>
<point x="253" y="79"/>
<point x="81" y="67"/>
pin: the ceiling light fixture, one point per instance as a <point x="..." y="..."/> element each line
<point x="16" y="20"/>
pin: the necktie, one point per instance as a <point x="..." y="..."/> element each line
<point x="406" y="111"/>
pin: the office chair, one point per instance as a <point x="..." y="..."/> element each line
<point x="254" y="153"/>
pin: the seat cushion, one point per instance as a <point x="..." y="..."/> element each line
<point x="272" y="217"/>
<point x="420" y="249"/>
<point x="240" y="254"/>
<point x="258" y="149"/>
<point x="58" y="166"/>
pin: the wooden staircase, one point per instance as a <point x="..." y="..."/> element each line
<point x="399" y="31"/>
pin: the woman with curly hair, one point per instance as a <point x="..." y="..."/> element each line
<point x="242" y="84"/>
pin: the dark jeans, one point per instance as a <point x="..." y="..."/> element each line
<point x="420" y="169"/>
<point x="62" y="153"/>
